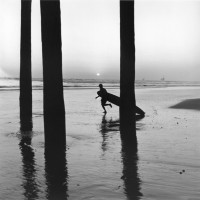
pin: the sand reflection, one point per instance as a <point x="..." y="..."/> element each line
<point x="107" y="126"/>
<point x="129" y="156"/>
<point x="28" y="164"/>
<point x="56" y="171"/>
<point x="130" y="174"/>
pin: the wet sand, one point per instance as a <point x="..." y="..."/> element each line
<point x="165" y="166"/>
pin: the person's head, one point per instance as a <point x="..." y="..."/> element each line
<point x="100" y="85"/>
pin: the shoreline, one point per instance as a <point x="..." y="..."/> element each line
<point x="16" y="88"/>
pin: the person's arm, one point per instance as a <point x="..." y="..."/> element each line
<point x="99" y="92"/>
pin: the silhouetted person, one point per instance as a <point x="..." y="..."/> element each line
<point x="103" y="94"/>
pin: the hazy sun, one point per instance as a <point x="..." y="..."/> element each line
<point x="98" y="74"/>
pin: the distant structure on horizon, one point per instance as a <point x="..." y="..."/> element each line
<point x="3" y="74"/>
<point x="163" y="78"/>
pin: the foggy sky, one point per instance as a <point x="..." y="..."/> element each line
<point x="167" y="38"/>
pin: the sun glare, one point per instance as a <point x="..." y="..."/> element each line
<point x="98" y="74"/>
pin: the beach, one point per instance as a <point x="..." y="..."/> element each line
<point x="166" y="165"/>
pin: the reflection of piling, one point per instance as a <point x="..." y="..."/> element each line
<point x="25" y="67"/>
<point x="127" y="67"/>
<point x="26" y="123"/>
<point x="130" y="169"/>
<point x="29" y="172"/>
<point x="54" y="131"/>
<point x="56" y="175"/>
<point x="55" y="160"/>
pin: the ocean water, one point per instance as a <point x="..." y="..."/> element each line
<point x="13" y="83"/>
<point x="96" y="165"/>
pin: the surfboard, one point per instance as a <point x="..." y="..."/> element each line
<point x="111" y="98"/>
<point x="116" y="101"/>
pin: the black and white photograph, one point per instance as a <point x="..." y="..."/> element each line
<point x="99" y="99"/>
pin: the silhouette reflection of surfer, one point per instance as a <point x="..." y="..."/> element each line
<point x="129" y="156"/>
<point x="29" y="171"/>
<point x="107" y="126"/>
<point x="103" y="130"/>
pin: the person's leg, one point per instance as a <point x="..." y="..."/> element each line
<point x="108" y="105"/>
<point x="103" y="102"/>
<point x="104" y="109"/>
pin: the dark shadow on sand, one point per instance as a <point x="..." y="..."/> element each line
<point x="109" y="125"/>
<point x="130" y="174"/>
<point x="28" y="165"/>
<point x="106" y="127"/>
<point x="26" y="124"/>
<point x="193" y="104"/>
<point x="56" y="171"/>
<point x="129" y="156"/>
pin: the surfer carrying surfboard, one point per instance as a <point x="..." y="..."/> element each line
<point x="103" y="94"/>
